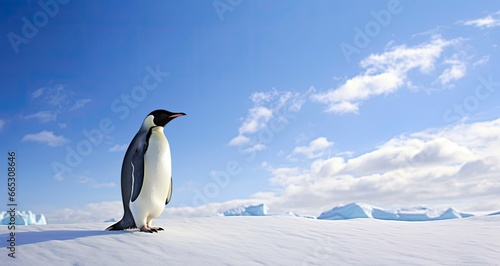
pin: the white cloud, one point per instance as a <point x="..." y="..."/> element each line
<point x="483" y="60"/>
<point x="263" y="97"/>
<point x="118" y="148"/>
<point x="55" y="99"/>
<point x="342" y="107"/>
<point x="456" y="71"/>
<point x="270" y="110"/>
<point x="316" y="148"/>
<point x="37" y="93"/>
<point x="56" y="95"/>
<point x="43" y="116"/>
<point x="255" y="148"/>
<point x="79" y="104"/>
<point x="490" y="21"/>
<point x="384" y="74"/>
<point x="256" y="120"/>
<point x="346" y="98"/>
<point x="239" y="140"/>
<point x="46" y="137"/>
<point x="456" y="165"/>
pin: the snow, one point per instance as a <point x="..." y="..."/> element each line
<point x="247" y="210"/>
<point x="22" y="218"/>
<point x="297" y="215"/>
<point x="261" y="240"/>
<point x="361" y="210"/>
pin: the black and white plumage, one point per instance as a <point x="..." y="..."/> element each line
<point x="146" y="176"/>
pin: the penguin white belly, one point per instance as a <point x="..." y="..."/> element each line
<point x="157" y="179"/>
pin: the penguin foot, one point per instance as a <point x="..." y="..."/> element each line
<point x="157" y="228"/>
<point x="151" y="229"/>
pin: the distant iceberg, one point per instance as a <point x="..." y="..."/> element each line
<point x="23" y="218"/>
<point x="361" y="210"/>
<point x="247" y="210"/>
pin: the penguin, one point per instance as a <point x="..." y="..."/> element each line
<point x="146" y="176"/>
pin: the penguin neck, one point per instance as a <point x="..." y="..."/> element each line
<point x="148" y="123"/>
<point x="157" y="130"/>
<point x="157" y="133"/>
<point x="157" y="140"/>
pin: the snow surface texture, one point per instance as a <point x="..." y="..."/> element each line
<point x="23" y="218"/>
<point x="360" y="210"/>
<point x="262" y="240"/>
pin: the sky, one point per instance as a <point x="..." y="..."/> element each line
<point x="300" y="105"/>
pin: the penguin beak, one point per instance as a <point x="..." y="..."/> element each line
<point x="176" y="115"/>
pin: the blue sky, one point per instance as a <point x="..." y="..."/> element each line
<point x="300" y="105"/>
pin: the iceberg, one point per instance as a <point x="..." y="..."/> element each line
<point x="362" y="210"/>
<point x="349" y="211"/>
<point x="23" y="218"/>
<point x="247" y="210"/>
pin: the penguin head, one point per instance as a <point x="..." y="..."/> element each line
<point x="160" y="118"/>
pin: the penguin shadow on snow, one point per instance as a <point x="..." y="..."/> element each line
<point x="26" y="238"/>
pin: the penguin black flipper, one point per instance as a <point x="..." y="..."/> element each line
<point x="129" y="169"/>
<point x="137" y="172"/>
<point x="169" y="194"/>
